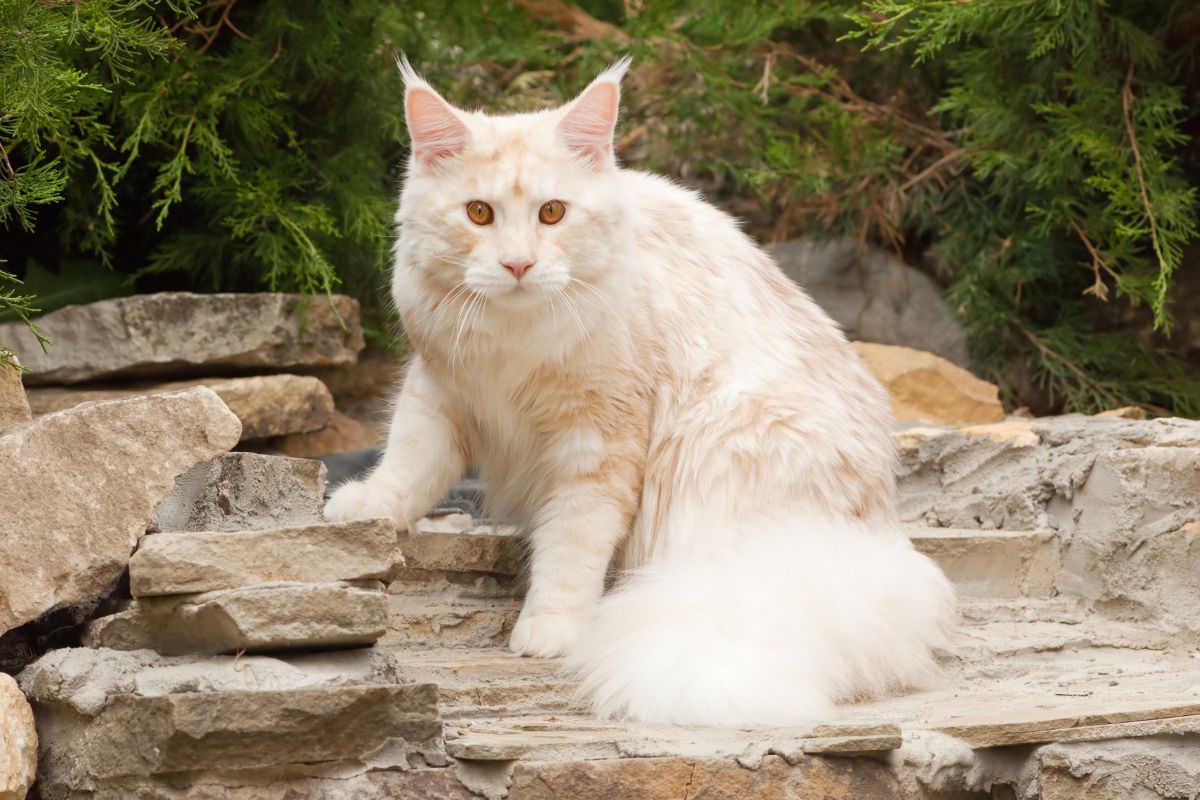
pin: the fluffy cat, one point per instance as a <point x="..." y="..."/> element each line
<point x="642" y="388"/>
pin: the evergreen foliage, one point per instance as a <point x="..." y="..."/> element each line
<point x="1031" y="152"/>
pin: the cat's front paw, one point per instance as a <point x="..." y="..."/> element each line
<point x="543" y="634"/>
<point x="364" y="500"/>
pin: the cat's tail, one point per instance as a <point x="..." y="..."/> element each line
<point x="785" y="618"/>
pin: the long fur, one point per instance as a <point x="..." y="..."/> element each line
<point x="653" y="395"/>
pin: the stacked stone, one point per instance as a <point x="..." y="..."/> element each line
<point x="245" y="646"/>
<point x="263" y="354"/>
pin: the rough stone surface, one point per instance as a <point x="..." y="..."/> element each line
<point x="83" y="678"/>
<point x="342" y="434"/>
<point x="259" y="618"/>
<point x="674" y="778"/>
<point x="179" y="333"/>
<point x="14" y="407"/>
<point x="88" y="481"/>
<point x="874" y="296"/>
<point x="267" y="405"/>
<point x="1145" y="769"/>
<point x="189" y="562"/>
<point x="245" y="491"/>
<point x="927" y="388"/>
<point x="18" y="742"/>
<point x="1123" y="496"/>
<point x="167" y="734"/>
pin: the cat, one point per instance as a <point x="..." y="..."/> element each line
<point x="643" y="389"/>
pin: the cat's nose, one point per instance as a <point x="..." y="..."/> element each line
<point x="518" y="268"/>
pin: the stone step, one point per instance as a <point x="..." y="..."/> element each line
<point x="111" y="721"/>
<point x="262" y="618"/>
<point x="993" y="563"/>
<point x="451" y="555"/>
<point x="191" y="562"/>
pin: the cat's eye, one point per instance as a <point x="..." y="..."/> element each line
<point x="480" y="212"/>
<point x="552" y="211"/>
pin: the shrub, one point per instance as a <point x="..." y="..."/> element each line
<point x="1033" y="154"/>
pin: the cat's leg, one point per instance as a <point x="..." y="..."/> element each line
<point x="425" y="453"/>
<point x="578" y="530"/>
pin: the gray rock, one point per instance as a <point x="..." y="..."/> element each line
<point x="267" y="405"/>
<point x="186" y="562"/>
<point x="179" y="333"/>
<point x="1121" y="769"/>
<point x="83" y="678"/>
<point x="113" y="718"/>
<point x="82" y="487"/>
<point x="1123" y="496"/>
<point x="14" y="407"/>
<point x="260" y="618"/>
<point x="874" y="296"/>
<point x="245" y="491"/>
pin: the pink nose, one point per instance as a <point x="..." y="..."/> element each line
<point x="519" y="268"/>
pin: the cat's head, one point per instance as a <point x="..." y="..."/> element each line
<point x="516" y="208"/>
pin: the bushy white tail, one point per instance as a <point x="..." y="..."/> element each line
<point x="786" y="618"/>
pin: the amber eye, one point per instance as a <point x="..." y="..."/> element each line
<point x="480" y="212"/>
<point x="551" y="212"/>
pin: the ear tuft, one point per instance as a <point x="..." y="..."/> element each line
<point x="436" y="130"/>
<point x="589" y="121"/>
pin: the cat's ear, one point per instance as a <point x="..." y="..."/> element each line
<point x="588" y="121"/>
<point x="436" y="129"/>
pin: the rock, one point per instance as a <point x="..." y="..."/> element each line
<point x="113" y="717"/>
<point x="179" y="563"/>
<point x="993" y="563"/>
<point x="245" y="491"/>
<point x="83" y="486"/>
<point x="179" y="333"/>
<point x="83" y="678"/>
<point x="1125" y="412"/>
<point x="927" y="388"/>
<point x="18" y="741"/>
<point x="267" y="405"/>
<point x="267" y="617"/>
<point x="13" y="405"/>
<point x="1119" y="770"/>
<point x="1123" y="496"/>
<point x="341" y="435"/>
<point x="874" y="296"/>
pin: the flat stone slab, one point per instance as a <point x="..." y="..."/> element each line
<point x="180" y="333"/>
<point x="82" y="486"/>
<point x="245" y="491"/>
<point x="267" y="405"/>
<point x="191" y="562"/>
<point x="463" y="623"/>
<point x="584" y="738"/>
<point x="267" y="617"/>
<point x="993" y="563"/>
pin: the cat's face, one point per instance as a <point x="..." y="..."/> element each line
<point x="514" y="209"/>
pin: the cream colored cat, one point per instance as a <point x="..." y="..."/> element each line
<point x="639" y="385"/>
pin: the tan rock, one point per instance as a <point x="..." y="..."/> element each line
<point x="180" y="563"/>
<point x="13" y="405"/>
<point x="18" y="741"/>
<point x="928" y="388"/>
<point x="259" y="618"/>
<point x="1125" y="412"/>
<point x="179" y="333"/>
<point x="341" y="435"/>
<point x="267" y="405"/>
<point x="83" y="486"/>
